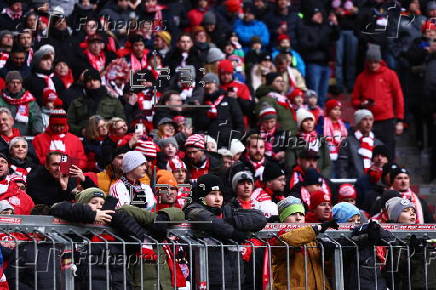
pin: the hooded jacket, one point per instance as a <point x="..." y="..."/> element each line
<point x="384" y="89"/>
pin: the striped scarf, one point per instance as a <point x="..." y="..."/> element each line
<point x="365" y="149"/>
<point x="334" y="136"/>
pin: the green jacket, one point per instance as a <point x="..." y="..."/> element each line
<point x="78" y="113"/>
<point x="149" y="270"/>
<point x="34" y="126"/>
<point x="285" y="116"/>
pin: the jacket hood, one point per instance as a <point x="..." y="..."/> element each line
<point x="382" y="69"/>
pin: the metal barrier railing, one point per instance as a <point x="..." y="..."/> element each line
<point x="42" y="252"/>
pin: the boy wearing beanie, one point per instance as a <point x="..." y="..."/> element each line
<point x="270" y="130"/>
<point x="272" y="184"/>
<point x="291" y="210"/>
<point x="129" y="189"/>
<point x="401" y="210"/>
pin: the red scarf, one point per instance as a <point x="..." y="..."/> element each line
<point x="158" y="16"/>
<point x="4" y="56"/>
<point x="97" y="62"/>
<point x="262" y="194"/>
<point x="213" y="113"/>
<point x="258" y="166"/>
<point x="334" y="132"/>
<point x="296" y="176"/>
<point x="67" y="80"/>
<point x="48" y="80"/>
<point x="268" y="136"/>
<point x="365" y="149"/>
<point x="196" y="172"/>
<point x="22" y="104"/>
<point x="15" y="133"/>
<point x="137" y="64"/>
<point x="311" y="140"/>
<point x="13" y="15"/>
<point x="246" y="204"/>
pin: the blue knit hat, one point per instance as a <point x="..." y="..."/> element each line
<point x="344" y="211"/>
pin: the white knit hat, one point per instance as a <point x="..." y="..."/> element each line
<point x="236" y="147"/>
<point x="303" y="114"/>
<point x="132" y="160"/>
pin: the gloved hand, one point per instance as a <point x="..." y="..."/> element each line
<point x="330" y="224"/>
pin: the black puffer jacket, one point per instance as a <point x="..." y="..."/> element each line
<point x="224" y="224"/>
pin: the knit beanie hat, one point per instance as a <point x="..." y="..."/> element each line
<point x="196" y="140"/>
<point x="267" y="112"/>
<point x="295" y="92"/>
<point x="48" y="95"/>
<point x="373" y="53"/>
<point x="360" y="114"/>
<point x="270" y="77"/>
<point x="148" y="148"/>
<point x="344" y="211"/>
<point x="395" y="207"/>
<point x="288" y="206"/>
<point x="165" y="35"/>
<point x="86" y="195"/>
<point x="58" y="117"/>
<point x="132" y="160"/>
<point x="13" y="75"/>
<point x="312" y="177"/>
<point x="165" y="177"/>
<point x="346" y="191"/>
<point x="41" y="52"/>
<point x="91" y="74"/>
<point x="214" y="54"/>
<point x="330" y="105"/>
<point x="236" y="147"/>
<point x="396" y="171"/>
<point x="205" y="184"/>
<point x="272" y="171"/>
<point x="225" y="65"/>
<point x="164" y="142"/>
<point x="209" y="18"/>
<point x="4" y="205"/>
<point x="240" y="176"/>
<point x="431" y="5"/>
<point x="302" y="115"/>
<point x="224" y="152"/>
<point x="317" y="197"/>
<point x="233" y="6"/>
<point x="211" y="78"/>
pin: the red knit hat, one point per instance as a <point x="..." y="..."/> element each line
<point x="148" y="148"/>
<point x="233" y="6"/>
<point x="225" y="65"/>
<point x="282" y="36"/>
<point x="296" y="92"/>
<point x="58" y="103"/>
<point x="58" y="117"/>
<point x="428" y="25"/>
<point x="346" y="191"/>
<point x="196" y="140"/>
<point x="48" y="95"/>
<point x="330" y="104"/>
<point x="317" y="197"/>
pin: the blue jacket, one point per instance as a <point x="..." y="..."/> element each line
<point x="246" y="30"/>
<point x="297" y="60"/>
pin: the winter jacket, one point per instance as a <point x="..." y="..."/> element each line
<point x="123" y="194"/>
<point x="247" y="30"/>
<point x="244" y="96"/>
<point x="315" y="41"/>
<point x="284" y="115"/>
<point x="33" y="125"/>
<point x="118" y="17"/>
<point x="174" y="60"/>
<point x="350" y="162"/>
<point x="7" y="23"/>
<point x="149" y="269"/>
<point x="234" y="224"/>
<point x="68" y="143"/>
<point x="24" y="69"/>
<point x="212" y="164"/>
<point x="228" y="123"/>
<point x="18" y="198"/>
<point x="274" y="19"/>
<point x="80" y="110"/>
<point x="45" y="189"/>
<point x="314" y="278"/>
<point x="63" y="45"/>
<point x="104" y="181"/>
<point x="384" y="89"/>
<point x="35" y="85"/>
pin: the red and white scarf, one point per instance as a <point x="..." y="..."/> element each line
<point x="258" y="166"/>
<point x="196" y="172"/>
<point x="22" y="104"/>
<point x="29" y="56"/>
<point x="23" y="172"/>
<point x="97" y="62"/>
<point x="158" y="16"/>
<point x="280" y="99"/>
<point x="311" y="139"/>
<point x="13" y="15"/>
<point x="4" y="56"/>
<point x="213" y="113"/>
<point x="268" y="136"/>
<point x="334" y="132"/>
<point x="410" y="195"/>
<point x="48" y="80"/>
<point x="68" y="79"/>
<point x="365" y="149"/>
<point x="136" y="64"/>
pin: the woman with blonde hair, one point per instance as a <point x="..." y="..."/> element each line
<point x="96" y="135"/>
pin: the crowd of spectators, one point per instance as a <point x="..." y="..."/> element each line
<point x="221" y="111"/>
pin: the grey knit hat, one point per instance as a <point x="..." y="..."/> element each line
<point x="373" y="53"/>
<point x="5" y="32"/>
<point x="214" y="54"/>
<point x="360" y="114"/>
<point x="431" y="5"/>
<point x="132" y="160"/>
<point x="395" y="207"/>
<point x="209" y="18"/>
<point x="211" y="78"/>
<point x="164" y="142"/>
<point x="41" y="52"/>
<point x="13" y="75"/>
<point x="242" y="175"/>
